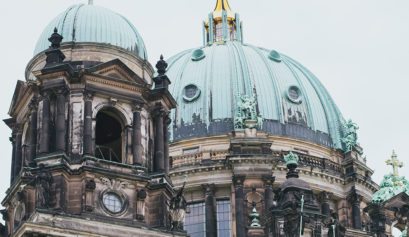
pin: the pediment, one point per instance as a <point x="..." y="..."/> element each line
<point x="19" y="92"/>
<point x="116" y="70"/>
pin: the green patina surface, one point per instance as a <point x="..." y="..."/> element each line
<point x="93" y="24"/>
<point x="404" y="233"/>
<point x="392" y="184"/>
<point x="291" y="158"/>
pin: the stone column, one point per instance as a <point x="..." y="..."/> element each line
<point x="268" y="198"/>
<point x="355" y="200"/>
<point x="45" y="125"/>
<point x="167" y="122"/>
<point x="325" y="208"/>
<point x="60" y="129"/>
<point x="239" y="200"/>
<point x="87" y="137"/>
<point x="158" y="161"/>
<point x="18" y="156"/>
<point x="13" y="157"/>
<point x="33" y="132"/>
<point x="210" y="210"/>
<point x="137" y="136"/>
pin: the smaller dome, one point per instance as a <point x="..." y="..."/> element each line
<point x="93" y="24"/>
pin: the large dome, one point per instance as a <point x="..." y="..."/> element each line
<point x="207" y="83"/>
<point x="93" y="24"/>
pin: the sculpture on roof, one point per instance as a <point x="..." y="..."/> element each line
<point x="392" y="184"/>
<point x="246" y="113"/>
<point x="350" y="138"/>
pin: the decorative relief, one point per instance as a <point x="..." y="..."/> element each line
<point x="114" y="184"/>
<point x="246" y="115"/>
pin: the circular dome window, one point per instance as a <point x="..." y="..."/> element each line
<point x="190" y="93"/>
<point x="198" y="55"/>
<point x="113" y="202"/>
<point x="294" y="94"/>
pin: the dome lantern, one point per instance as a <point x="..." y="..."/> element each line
<point x="222" y="25"/>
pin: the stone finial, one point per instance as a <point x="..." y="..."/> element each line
<point x="55" y="39"/>
<point x="161" y="66"/>
<point x="291" y="160"/>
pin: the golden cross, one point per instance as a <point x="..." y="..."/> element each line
<point x="395" y="163"/>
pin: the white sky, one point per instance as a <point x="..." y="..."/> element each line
<point x="358" y="49"/>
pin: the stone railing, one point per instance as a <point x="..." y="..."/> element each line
<point x="214" y="157"/>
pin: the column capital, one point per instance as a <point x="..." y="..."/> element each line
<point x="209" y="189"/>
<point x="354" y="196"/>
<point x="88" y="95"/>
<point x="268" y="179"/>
<point x="238" y="180"/>
<point x="45" y="94"/>
<point x="61" y="90"/>
<point x="137" y="106"/>
<point x="324" y="196"/>
<point x="33" y="105"/>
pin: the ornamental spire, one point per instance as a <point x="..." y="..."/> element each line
<point x="395" y="163"/>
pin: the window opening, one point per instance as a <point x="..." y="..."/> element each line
<point x="223" y="218"/>
<point x="108" y="137"/>
<point x="195" y="223"/>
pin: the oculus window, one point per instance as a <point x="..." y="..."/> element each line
<point x="112" y="202"/>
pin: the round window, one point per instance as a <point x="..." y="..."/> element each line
<point x="294" y="94"/>
<point x="191" y="93"/>
<point x="113" y="202"/>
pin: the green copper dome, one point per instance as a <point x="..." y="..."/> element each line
<point x="290" y="100"/>
<point x="94" y="24"/>
<point x="228" y="85"/>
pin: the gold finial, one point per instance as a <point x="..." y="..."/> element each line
<point x="395" y="163"/>
<point x="223" y="5"/>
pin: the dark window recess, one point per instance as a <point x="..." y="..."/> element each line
<point x="349" y="170"/>
<point x="293" y="93"/>
<point x="108" y="137"/>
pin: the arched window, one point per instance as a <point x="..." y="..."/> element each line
<point x="108" y="136"/>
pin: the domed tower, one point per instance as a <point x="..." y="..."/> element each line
<point x="90" y="155"/>
<point x="241" y="109"/>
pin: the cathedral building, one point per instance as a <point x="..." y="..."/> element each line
<point x="224" y="140"/>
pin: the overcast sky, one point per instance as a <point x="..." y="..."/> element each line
<point x="358" y="49"/>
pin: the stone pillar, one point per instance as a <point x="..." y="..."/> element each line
<point x="159" y="161"/>
<point x="239" y="200"/>
<point x="13" y="157"/>
<point x="167" y="122"/>
<point x="268" y="198"/>
<point x="18" y="156"/>
<point x="210" y="210"/>
<point x="87" y="137"/>
<point x="355" y="200"/>
<point x="378" y="219"/>
<point x="137" y="136"/>
<point x="33" y="132"/>
<point x="60" y="129"/>
<point x="325" y="207"/>
<point x="45" y="125"/>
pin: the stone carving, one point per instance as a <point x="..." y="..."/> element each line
<point x="246" y="114"/>
<point x="43" y="183"/>
<point x="177" y="209"/>
<point x="114" y="184"/>
<point x="350" y="138"/>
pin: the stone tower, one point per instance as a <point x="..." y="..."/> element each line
<point x="89" y="135"/>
